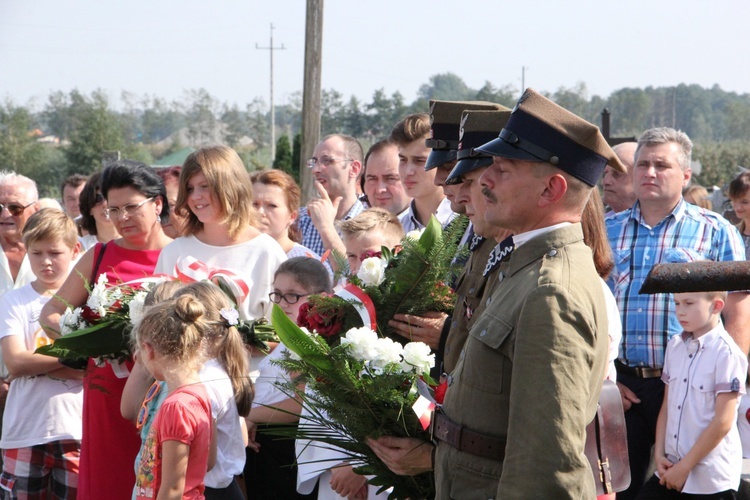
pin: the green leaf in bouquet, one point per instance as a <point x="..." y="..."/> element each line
<point x="298" y="341"/>
<point x="432" y="235"/>
<point x="103" y="339"/>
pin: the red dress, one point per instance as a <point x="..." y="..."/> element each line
<point x="110" y="443"/>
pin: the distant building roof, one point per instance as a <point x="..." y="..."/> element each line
<point x="176" y="158"/>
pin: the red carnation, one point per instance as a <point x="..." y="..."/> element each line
<point x="89" y="315"/>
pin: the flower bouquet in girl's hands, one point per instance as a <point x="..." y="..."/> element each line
<point x="363" y="387"/>
<point x="100" y="328"/>
<point x="408" y="280"/>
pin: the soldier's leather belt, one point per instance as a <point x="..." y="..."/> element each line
<point x="637" y="371"/>
<point x="463" y="439"/>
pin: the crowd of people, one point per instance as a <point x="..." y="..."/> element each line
<point x="547" y="308"/>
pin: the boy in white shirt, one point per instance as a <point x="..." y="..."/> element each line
<point x="698" y="449"/>
<point x="41" y="438"/>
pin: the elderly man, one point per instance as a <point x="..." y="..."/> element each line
<point x="528" y="379"/>
<point x="661" y="227"/>
<point x="336" y="165"/>
<point x="617" y="187"/>
<point x="18" y="200"/>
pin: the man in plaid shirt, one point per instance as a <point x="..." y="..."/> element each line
<point x="661" y="227"/>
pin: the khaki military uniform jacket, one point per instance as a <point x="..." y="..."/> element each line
<point x="531" y="373"/>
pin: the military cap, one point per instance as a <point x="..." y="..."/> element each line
<point x="477" y="128"/>
<point x="445" y="118"/>
<point x="540" y="130"/>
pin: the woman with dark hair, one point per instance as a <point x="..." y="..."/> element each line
<point x="94" y="218"/>
<point x="135" y="199"/>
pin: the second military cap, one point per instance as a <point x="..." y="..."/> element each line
<point x="477" y="128"/>
<point x="445" y="119"/>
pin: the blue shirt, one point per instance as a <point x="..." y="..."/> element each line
<point x="688" y="234"/>
<point x="310" y="236"/>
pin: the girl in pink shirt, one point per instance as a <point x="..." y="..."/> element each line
<point x="179" y="448"/>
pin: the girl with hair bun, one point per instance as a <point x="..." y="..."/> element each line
<point x="170" y="343"/>
<point x="225" y="375"/>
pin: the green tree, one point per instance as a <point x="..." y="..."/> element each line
<point x="446" y="86"/>
<point x="201" y="111"/>
<point x="383" y="112"/>
<point x="283" y="160"/>
<point x="506" y="95"/>
<point x="296" y="156"/>
<point x="19" y="150"/>
<point x="97" y="129"/>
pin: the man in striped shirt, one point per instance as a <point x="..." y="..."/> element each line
<point x="661" y="227"/>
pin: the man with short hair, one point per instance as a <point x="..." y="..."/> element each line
<point x="70" y="190"/>
<point x="382" y="184"/>
<point x="336" y="164"/>
<point x="660" y="228"/>
<point x="617" y="187"/>
<point x="527" y="383"/>
<point x="428" y="199"/>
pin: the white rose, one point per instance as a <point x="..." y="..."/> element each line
<point x="136" y="307"/>
<point x="387" y="352"/>
<point x="372" y="271"/>
<point x="414" y="234"/>
<point x="99" y="298"/>
<point x="361" y="342"/>
<point x="69" y="320"/>
<point x="417" y="358"/>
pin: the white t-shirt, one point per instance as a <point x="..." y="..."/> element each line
<point x="266" y="390"/>
<point x="230" y="444"/>
<point x="253" y="262"/>
<point x="39" y="409"/>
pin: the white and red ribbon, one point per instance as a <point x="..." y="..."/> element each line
<point x="190" y="269"/>
<point x="361" y="302"/>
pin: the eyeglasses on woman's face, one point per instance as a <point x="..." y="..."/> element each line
<point x="128" y="210"/>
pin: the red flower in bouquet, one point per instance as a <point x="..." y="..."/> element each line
<point x="326" y="324"/>
<point x="89" y="315"/>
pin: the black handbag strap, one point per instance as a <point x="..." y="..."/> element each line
<point x="96" y="264"/>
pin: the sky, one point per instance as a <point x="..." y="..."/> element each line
<point x="165" y="47"/>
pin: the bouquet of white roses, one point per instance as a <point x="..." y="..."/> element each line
<point x="101" y="328"/>
<point x="363" y="387"/>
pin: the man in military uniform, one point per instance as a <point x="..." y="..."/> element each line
<point x="528" y="379"/>
<point x="445" y="119"/>
<point x="477" y="128"/>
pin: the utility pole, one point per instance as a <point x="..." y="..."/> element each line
<point x="270" y="49"/>
<point x="311" y="92"/>
<point x="523" y="79"/>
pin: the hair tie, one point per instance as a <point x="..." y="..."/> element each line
<point x="231" y="315"/>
